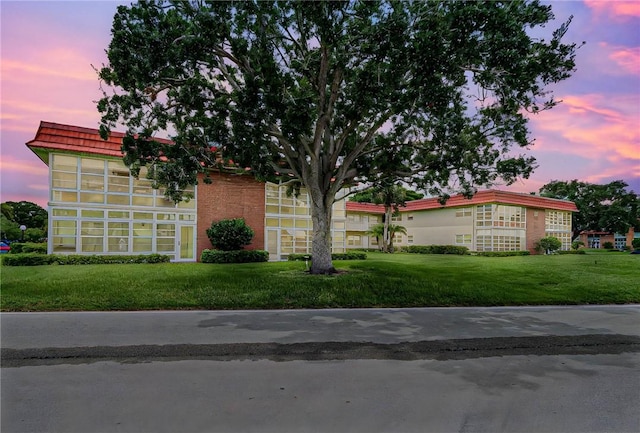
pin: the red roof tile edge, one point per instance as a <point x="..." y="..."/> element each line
<point x="481" y="197"/>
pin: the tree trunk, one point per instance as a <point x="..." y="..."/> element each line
<point x="386" y="239"/>
<point x="321" y="209"/>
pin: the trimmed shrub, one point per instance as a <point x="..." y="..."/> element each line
<point x="635" y="243"/>
<point x="548" y="245"/>
<point x="607" y="245"/>
<point x="577" y="244"/>
<point x="571" y="252"/>
<point x="436" y="249"/>
<point x="351" y="255"/>
<point x="236" y="256"/>
<point x="502" y="253"/>
<point x="28" y="247"/>
<point x="34" y="259"/>
<point x="230" y="234"/>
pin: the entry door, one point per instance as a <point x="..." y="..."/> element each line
<point x="272" y="244"/>
<point x="186" y="244"/>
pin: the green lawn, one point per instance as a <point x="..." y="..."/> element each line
<point x="399" y="280"/>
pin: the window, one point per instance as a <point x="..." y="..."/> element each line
<point x="354" y="241"/>
<point x="464" y="239"/>
<point x="92" y="236"/>
<point x="620" y="241"/>
<point x="118" y="237"/>
<point x="410" y="239"/>
<point x="410" y="217"/>
<point x="464" y="212"/>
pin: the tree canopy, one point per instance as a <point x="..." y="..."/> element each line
<point x="331" y="93"/>
<point x="609" y="207"/>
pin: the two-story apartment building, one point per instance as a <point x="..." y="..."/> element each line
<point x="96" y="207"/>
<point x="490" y="221"/>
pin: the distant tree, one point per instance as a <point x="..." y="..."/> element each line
<point x="29" y="214"/>
<point x="610" y="207"/>
<point x="9" y="230"/>
<point x="318" y="93"/>
<point x="7" y="211"/>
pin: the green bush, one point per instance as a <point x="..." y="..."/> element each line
<point x="502" y="253"/>
<point x="635" y="243"/>
<point x="351" y="255"/>
<point x="607" y="245"/>
<point x="436" y="249"/>
<point x="230" y="234"/>
<point x="35" y="259"/>
<point x="577" y="244"/>
<point x="571" y="252"/>
<point x="548" y="245"/>
<point x="237" y="256"/>
<point x="28" y="247"/>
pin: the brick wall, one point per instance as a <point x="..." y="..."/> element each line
<point x="535" y="228"/>
<point x="230" y="196"/>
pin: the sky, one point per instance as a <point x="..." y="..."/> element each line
<point x="49" y="50"/>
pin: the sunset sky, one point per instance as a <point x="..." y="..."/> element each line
<point x="49" y="47"/>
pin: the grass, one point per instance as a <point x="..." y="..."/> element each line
<point x="398" y="280"/>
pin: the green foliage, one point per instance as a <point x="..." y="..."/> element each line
<point x="582" y="251"/>
<point x="436" y="249"/>
<point x="28" y="247"/>
<point x="576" y="245"/>
<point x="502" y="253"/>
<point x="230" y="234"/>
<point x="309" y="92"/>
<point x="607" y="245"/>
<point x="29" y="214"/>
<point x="610" y="207"/>
<point x="351" y="255"/>
<point x="36" y="259"/>
<point x="548" y="245"/>
<point x="635" y="243"/>
<point x="235" y="256"/>
<point x="9" y="229"/>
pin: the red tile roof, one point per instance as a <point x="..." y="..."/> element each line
<point x="55" y="136"/>
<point x="481" y="197"/>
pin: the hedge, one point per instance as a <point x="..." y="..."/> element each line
<point x="28" y="247"/>
<point x="351" y="255"/>
<point x="503" y="253"/>
<point x="435" y="249"/>
<point x="571" y="252"/>
<point x="238" y="256"/>
<point x="34" y="259"/>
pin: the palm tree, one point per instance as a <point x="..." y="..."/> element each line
<point x="378" y="231"/>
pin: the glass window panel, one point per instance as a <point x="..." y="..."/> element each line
<point x="142" y="230"/>
<point x="272" y="208"/>
<point x="92" y="182"/>
<point x="286" y="210"/>
<point x="166" y="230"/>
<point x="142" y="201"/>
<point x="286" y="222"/>
<point x="61" y="179"/>
<point x="90" y="213"/>
<point x="118" y="245"/>
<point x="64" y="227"/>
<point x="338" y="225"/>
<point x="86" y="197"/>
<point x="302" y="223"/>
<point x="118" y="229"/>
<point x="65" y="163"/>
<point x="64" y="212"/>
<point x="187" y="217"/>
<point x="118" y="184"/>
<point x="165" y="244"/>
<point x="64" y="196"/>
<point x="142" y="216"/>
<point x="191" y="204"/>
<point x="92" y="228"/>
<point x="272" y="222"/>
<point x="118" y="214"/>
<point x="142" y="245"/>
<point x="93" y="166"/>
<point x="118" y="199"/>
<point x="166" y="216"/>
<point x="164" y="202"/>
<point x="62" y="244"/>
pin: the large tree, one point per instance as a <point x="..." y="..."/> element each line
<point x="610" y="207"/>
<point x="322" y="93"/>
<point x="28" y="214"/>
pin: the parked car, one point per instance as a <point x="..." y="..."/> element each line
<point x="4" y="248"/>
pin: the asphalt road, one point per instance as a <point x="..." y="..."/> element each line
<point x="539" y="369"/>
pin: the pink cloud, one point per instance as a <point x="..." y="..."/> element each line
<point x="628" y="59"/>
<point x="11" y="166"/>
<point x="620" y="9"/>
